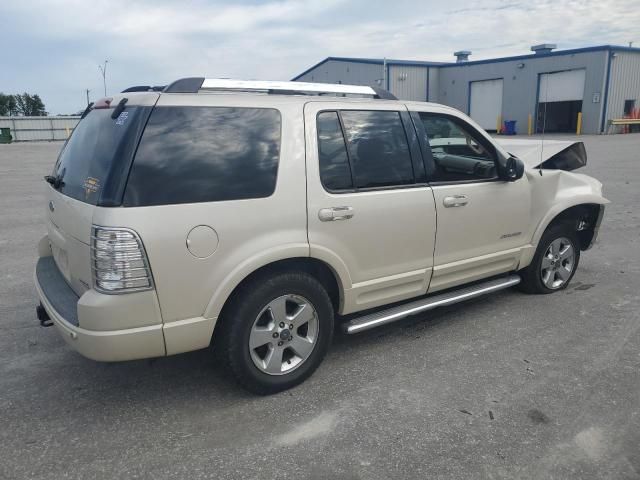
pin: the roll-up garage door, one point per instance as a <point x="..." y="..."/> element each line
<point x="485" y="105"/>
<point x="561" y="86"/>
<point x="560" y="97"/>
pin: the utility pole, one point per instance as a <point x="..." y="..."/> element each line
<point x="87" y="92"/>
<point x="103" y="71"/>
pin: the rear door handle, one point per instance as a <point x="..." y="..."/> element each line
<point x="455" y="201"/>
<point x="335" y="213"/>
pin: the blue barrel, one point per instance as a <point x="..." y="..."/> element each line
<point x="510" y="127"/>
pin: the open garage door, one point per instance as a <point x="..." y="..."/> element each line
<point x="560" y="97"/>
<point x="485" y="104"/>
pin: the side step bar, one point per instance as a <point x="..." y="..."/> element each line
<point x="399" y="312"/>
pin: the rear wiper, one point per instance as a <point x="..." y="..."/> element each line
<point x="119" y="108"/>
<point x="55" y="182"/>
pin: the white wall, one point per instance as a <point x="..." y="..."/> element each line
<point x="29" y="129"/>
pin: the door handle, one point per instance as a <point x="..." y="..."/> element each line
<point x="455" y="201"/>
<point x="335" y="213"/>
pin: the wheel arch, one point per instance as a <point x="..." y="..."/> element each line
<point x="586" y="214"/>
<point x="319" y="269"/>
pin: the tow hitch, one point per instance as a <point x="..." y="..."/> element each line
<point x="43" y="316"/>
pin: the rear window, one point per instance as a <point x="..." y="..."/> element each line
<point x="100" y="145"/>
<point x="205" y="154"/>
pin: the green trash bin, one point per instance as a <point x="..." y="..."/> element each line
<point x="5" y="135"/>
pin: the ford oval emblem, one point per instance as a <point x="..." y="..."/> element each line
<point x="51" y="206"/>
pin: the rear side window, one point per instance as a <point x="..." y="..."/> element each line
<point x="363" y="149"/>
<point x="205" y="154"/>
<point x="335" y="173"/>
<point x="378" y="148"/>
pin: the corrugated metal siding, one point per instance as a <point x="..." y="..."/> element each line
<point x="350" y="73"/>
<point x="624" y="83"/>
<point x="521" y="85"/>
<point x="434" y="81"/>
<point x="28" y="129"/>
<point x="408" y="82"/>
<point x="450" y="85"/>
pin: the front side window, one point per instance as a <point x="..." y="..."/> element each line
<point x="205" y="154"/>
<point x="459" y="153"/>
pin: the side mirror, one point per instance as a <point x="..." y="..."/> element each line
<point x="513" y="170"/>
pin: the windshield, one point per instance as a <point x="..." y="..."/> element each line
<point x="92" y="164"/>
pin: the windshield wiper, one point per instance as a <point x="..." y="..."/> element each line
<point x="56" y="182"/>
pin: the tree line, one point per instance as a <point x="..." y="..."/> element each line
<point x="22" y="104"/>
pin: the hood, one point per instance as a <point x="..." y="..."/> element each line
<point x="550" y="154"/>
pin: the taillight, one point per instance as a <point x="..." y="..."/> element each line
<point x="118" y="261"/>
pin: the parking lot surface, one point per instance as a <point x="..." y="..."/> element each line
<point x="506" y="386"/>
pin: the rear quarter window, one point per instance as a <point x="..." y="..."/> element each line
<point x="205" y="154"/>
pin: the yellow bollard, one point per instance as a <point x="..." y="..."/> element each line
<point x="530" y="125"/>
<point x="499" y="124"/>
<point x="579" y="124"/>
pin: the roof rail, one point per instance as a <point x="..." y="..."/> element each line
<point x="144" y="88"/>
<point x="193" y="85"/>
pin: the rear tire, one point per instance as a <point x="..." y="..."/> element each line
<point x="276" y="331"/>
<point x="555" y="261"/>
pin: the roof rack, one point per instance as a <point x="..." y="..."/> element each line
<point x="194" y="85"/>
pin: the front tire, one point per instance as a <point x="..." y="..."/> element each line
<point x="555" y="261"/>
<point x="276" y="331"/>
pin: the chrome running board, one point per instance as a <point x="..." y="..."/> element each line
<point x="399" y="312"/>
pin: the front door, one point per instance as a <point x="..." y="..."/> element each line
<point x="482" y="220"/>
<point x="371" y="215"/>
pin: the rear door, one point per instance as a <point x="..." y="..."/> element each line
<point x="371" y="214"/>
<point x="91" y="170"/>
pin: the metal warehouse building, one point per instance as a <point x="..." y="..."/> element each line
<point x="546" y="89"/>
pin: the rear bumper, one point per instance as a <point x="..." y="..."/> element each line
<point x="62" y="305"/>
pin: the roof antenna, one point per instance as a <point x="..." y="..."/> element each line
<point x="544" y="124"/>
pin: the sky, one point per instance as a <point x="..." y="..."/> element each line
<point x="54" y="47"/>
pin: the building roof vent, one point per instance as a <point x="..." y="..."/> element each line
<point x="543" y="48"/>
<point x="462" y="56"/>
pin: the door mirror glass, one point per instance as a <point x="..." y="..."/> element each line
<point x="514" y="169"/>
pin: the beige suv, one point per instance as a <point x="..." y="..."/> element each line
<point x="257" y="214"/>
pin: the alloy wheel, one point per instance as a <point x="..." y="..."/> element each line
<point x="283" y="334"/>
<point x="557" y="263"/>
